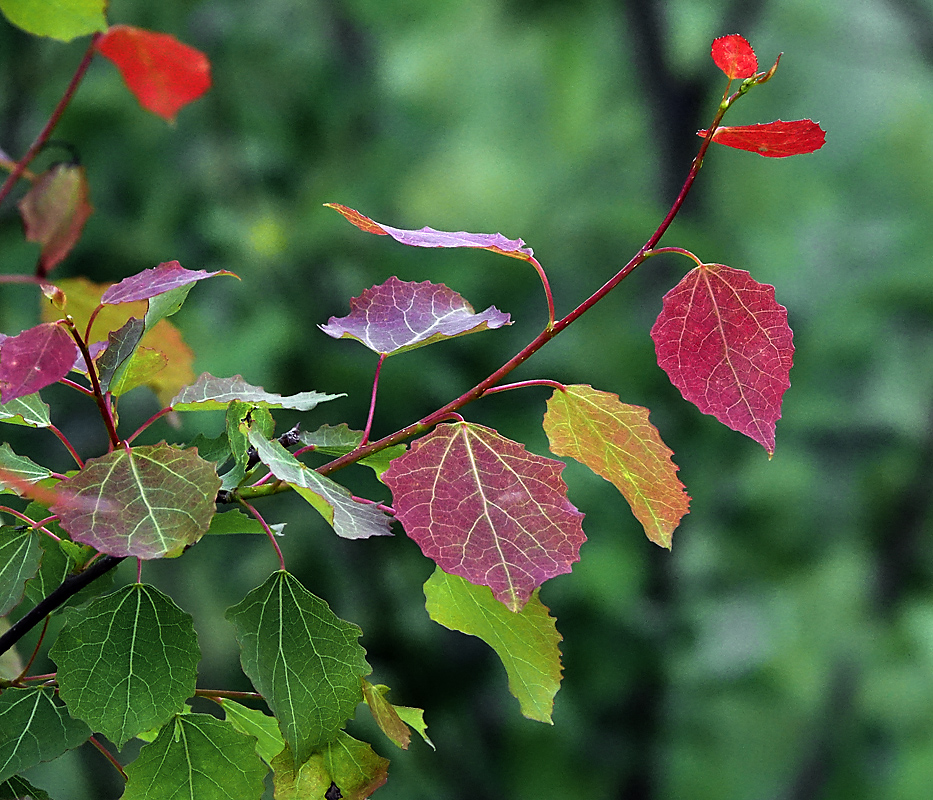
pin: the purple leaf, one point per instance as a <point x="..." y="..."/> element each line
<point x="35" y="359"/>
<point x="151" y="282"/>
<point x="401" y="315"/>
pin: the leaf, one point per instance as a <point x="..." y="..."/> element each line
<point x="28" y="410"/>
<point x="208" y="393"/>
<point x="165" y="277"/>
<point x="385" y="715"/>
<point x="59" y="19"/>
<point x="616" y="441"/>
<point x="349" y="518"/>
<point x="54" y="212"/>
<point x="121" y="344"/>
<point x="526" y="642"/>
<point x="127" y="661"/>
<point x="269" y="741"/>
<point x="33" y="728"/>
<point x="163" y="74"/>
<point x="303" y="660"/>
<point x="398" y="316"/>
<point x="146" y="501"/>
<point x="725" y="343"/>
<point x="350" y="765"/>
<point x="138" y="370"/>
<point x="772" y="139"/>
<point x="18" y="788"/>
<point x="428" y="237"/>
<point x="19" y="561"/>
<point x="734" y="56"/>
<point x="20" y="467"/>
<point x="237" y="522"/>
<point x="486" y="509"/>
<point x="34" y="359"/>
<point x="338" y="440"/>
<point x="197" y="756"/>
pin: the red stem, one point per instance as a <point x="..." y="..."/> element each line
<point x="372" y="402"/>
<point x="108" y="755"/>
<point x="268" y="530"/>
<point x="35" y="652"/>
<point x="95" y="383"/>
<point x="68" y="446"/>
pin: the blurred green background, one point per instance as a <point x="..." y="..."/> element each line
<point x="784" y="648"/>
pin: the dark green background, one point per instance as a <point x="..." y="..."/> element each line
<point x="784" y="649"/>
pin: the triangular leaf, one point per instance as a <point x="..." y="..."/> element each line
<point x="200" y="757"/>
<point x="351" y="766"/>
<point x="484" y="508"/>
<point x="34" y="359"/>
<point x="734" y="56"/>
<point x="725" y="343"/>
<point x="146" y="501"/>
<point x="303" y="660"/>
<point x="616" y="441"/>
<point x="269" y="741"/>
<point x="164" y="74"/>
<point x="526" y="642"/>
<point x="59" y="19"/>
<point x="208" y="393"/>
<point x="127" y="661"/>
<point x="19" y="561"/>
<point x="165" y="277"/>
<point x="776" y="139"/>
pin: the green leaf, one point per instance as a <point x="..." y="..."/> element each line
<point x="526" y="641"/>
<point x="20" y="467"/>
<point x="19" y="561"/>
<point x="339" y="440"/>
<point x="28" y="410"/>
<point x="236" y="521"/>
<point x="390" y="718"/>
<point x="59" y="19"/>
<point x="165" y="304"/>
<point x="216" y="449"/>
<point x="17" y="788"/>
<point x="351" y="765"/>
<point x="127" y="661"/>
<point x="208" y="393"/>
<point x="199" y="757"/>
<point x="269" y="741"/>
<point x="414" y="718"/>
<point x="301" y="658"/>
<point x="33" y="728"/>
<point x="121" y="345"/>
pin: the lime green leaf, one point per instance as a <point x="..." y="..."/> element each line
<point x="414" y="718"/>
<point x="19" y="560"/>
<point x="197" y="756"/>
<point x="28" y="410"/>
<point x="17" y="788"/>
<point x="526" y="642"/>
<point x="34" y="728"/>
<point x="20" y="467"/>
<point x="127" y="662"/>
<point x="302" y="659"/>
<point x="60" y="19"/>
<point x="269" y="741"/>
<point x="237" y="522"/>
<point x="350" y="765"/>
<point x="208" y="393"/>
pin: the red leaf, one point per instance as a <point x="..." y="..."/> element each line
<point x="402" y="315"/>
<point x="734" y="56"/>
<point x="54" y="211"/>
<point x="428" y="237"/>
<point x="160" y="71"/>
<point x="35" y="359"/>
<point x="486" y="509"/>
<point x="776" y="139"/>
<point x="157" y="280"/>
<point x="724" y="342"/>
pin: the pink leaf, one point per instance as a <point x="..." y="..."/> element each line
<point x="776" y="139"/>
<point x="734" y="56"/>
<point x="724" y="342"/>
<point x="157" y="280"/>
<point x="160" y="71"/>
<point x="484" y="508"/>
<point x="35" y="359"/>
<point x="401" y="315"/>
<point x="428" y="237"/>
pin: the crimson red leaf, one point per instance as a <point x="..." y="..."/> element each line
<point x="428" y="237"/>
<point x="734" y="56"/>
<point x="724" y="342"/>
<point x="401" y="315"/>
<point x="486" y="509"/>
<point x="160" y="71"/>
<point x="155" y="281"/>
<point x="54" y="211"/>
<point x="776" y="139"/>
<point x="35" y="359"/>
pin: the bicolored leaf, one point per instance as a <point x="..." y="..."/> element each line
<point x="401" y="315"/>
<point x="428" y="237"/>
<point x="346" y="764"/>
<point x="385" y="715"/>
<point x="54" y="212"/>
<point x="28" y="410"/>
<point x="21" y="468"/>
<point x="724" y="342"/>
<point x="165" y="277"/>
<point x="147" y="501"/>
<point x="197" y="756"/>
<point x="121" y="344"/>
<point x="527" y="642"/>
<point x="208" y="393"/>
<point x="127" y="662"/>
<point x="734" y="56"/>
<point x="164" y="74"/>
<point x="303" y="660"/>
<point x="59" y="19"/>
<point x="36" y="358"/>
<point x="19" y="561"/>
<point x="269" y="741"/>
<point x="776" y="139"/>
<point x="484" y="508"/>
<point x="617" y="442"/>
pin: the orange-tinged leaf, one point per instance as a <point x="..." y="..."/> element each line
<point x="734" y="56"/>
<point x="160" y="71"/>
<point x="617" y="442"/>
<point x="776" y="139"/>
